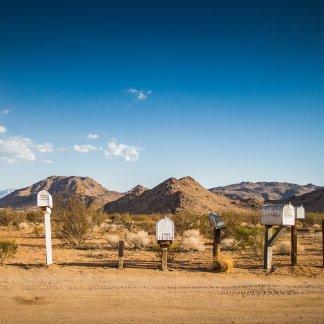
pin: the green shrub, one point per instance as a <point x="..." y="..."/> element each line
<point x="7" y="250"/>
<point x="73" y="219"/>
<point x="249" y="239"/>
<point x="35" y="217"/>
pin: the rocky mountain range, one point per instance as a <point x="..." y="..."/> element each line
<point x="312" y="201"/>
<point x="258" y="193"/>
<point x="174" y="196"/>
<point x="184" y="195"/>
<point x="91" y="191"/>
<point x="5" y="192"/>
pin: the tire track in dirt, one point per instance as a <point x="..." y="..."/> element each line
<point x="256" y="290"/>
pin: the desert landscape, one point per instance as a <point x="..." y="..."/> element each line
<point x="84" y="283"/>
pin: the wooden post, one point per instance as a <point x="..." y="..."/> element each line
<point x="216" y="246"/>
<point x="164" y="259"/>
<point x="323" y="240"/>
<point x="294" y="251"/>
<point x="121" y="245"/>
<point x="267" y="247"/>
<point x="48" y="236"/>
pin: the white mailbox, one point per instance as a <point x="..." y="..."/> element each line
<point x="279" y="214"/>
<point x="44" y="199"/>
<point x="165" y="230"/>
<point x="300" y="212"/>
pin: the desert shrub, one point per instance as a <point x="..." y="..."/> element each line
<point x="284" y="248"/>
<point x="7" y="250"/>
<point x="228" y="244"/>
<point x="225" y="263"/>
<point x="137" y="240"/>
<point x="192" y="241"/>
<point x="73" y="220"/>
<point x="249" y="239"/>
<point x="23" y="226"/>
<point x="113" y="241"/>
<point x="173" y="250"/>
<point x="35" y="217"/>
<point x="11" y="217"/>
<point x="38" y="230"/>
<point x="312" y="219"/>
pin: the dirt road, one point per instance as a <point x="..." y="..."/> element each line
<point x="81" y="295"/>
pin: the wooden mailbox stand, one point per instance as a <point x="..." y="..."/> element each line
<point x="269" y="240"/>
<point x="164" y="236"/>
<point x="121" y="246"/>
<point x="45" y="203"/>
<point x="281" y="215"/>
<point x="217" y="224"/>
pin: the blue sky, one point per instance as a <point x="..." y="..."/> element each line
<point x="223" y="91"/>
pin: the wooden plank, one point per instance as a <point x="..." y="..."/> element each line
<point x="267" y="257"/>
<point x="121" y="246"/>
<point x="216" y="245"/>
<point x="294" y="251"/>
<point x="164" y="259"/>
<point x="281" y="229"/>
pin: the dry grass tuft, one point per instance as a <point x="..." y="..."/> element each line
<point x="225" y="263"/>
<point x="192" y="241"/>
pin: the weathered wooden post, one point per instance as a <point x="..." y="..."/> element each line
<point x="164" y="236"/>
<point x="294" y="252"/>
<point x="45" y="202"/>
<point x="121" y="246"/>
<point x="323" y="240"/>
<point x="217" y="224"/>
<point x="299" y="214"/>
<point x="281" y="215"/>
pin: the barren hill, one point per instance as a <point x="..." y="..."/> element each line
<point x="5" y="192"/>
<point x="174" y="196"/>
<point x="312" y="201"/>
<point x="93" y="192"/>
<point x="257" y="193"/>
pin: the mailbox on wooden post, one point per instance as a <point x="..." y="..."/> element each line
<point x="164" y="236"/>
<point x="217" y="224"/>
<point x="281" y="215"/>
<point x="299" y="214"/>
<point x="45" y="202"/>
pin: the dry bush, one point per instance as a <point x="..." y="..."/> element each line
<point x="225" y="263"/>
<point x="137" y="240"/>
<point x="174" y="250"/>
<point x="35" y="217"/>
<point x="228" y="244"/>
<point x="192" y="241"/>
<point x="284" y="248"/>
<point x="113" y="241"/>
<point x="10" y="217"/>
<point x="73" y="220"/>
<point x="39" y="230"/>
<point x="7" y="250"/>
<point x="23" y="226"/>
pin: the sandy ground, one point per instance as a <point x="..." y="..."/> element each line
<point x="84" y="286"/>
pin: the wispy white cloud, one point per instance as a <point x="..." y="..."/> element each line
<point x="92" y="136"/>
<point x="18" y="148"/>
<point x="84" y="148"/>
<point x="3" y="129"/>
<point x="115" y="149"/>
<point x="47" y="161"/>
<point x="5" y="111"/>
<point x="139" y="95"/>
<point x="45" y="148"/>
